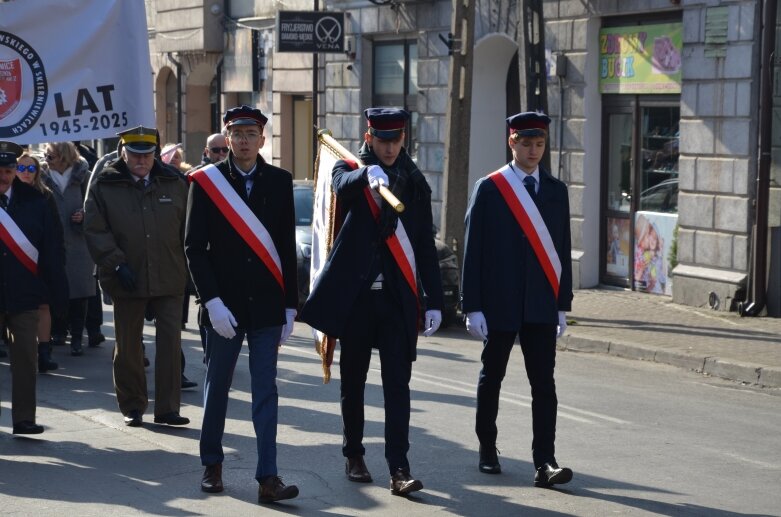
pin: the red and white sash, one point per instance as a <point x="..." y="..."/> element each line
<point x="530" y="220"/>
<point x="398" y="243"/>
<point x="13" y="237"/>
<point x="240" y="217"/>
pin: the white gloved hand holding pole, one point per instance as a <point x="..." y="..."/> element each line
<point x="222" y="320"/>
<point x="562" y="324"/>
<point x="432" y="321"/>
<point x="376" y="176"/>
<point x="287" y="328"/>
<point x="476" y="325"/>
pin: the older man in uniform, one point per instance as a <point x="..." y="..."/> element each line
<point x="134" y="224"/>
<point x="522" y="291"/>
<point x="32" y="272"/>
<point x="240" y="246"/>
<point x="368" y="295"/>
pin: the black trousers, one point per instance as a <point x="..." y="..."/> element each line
<point x="73" y="321"/>
<point x="94" y="311"/>
<point x="376" y="322"/>
<point x="538" y="343"/>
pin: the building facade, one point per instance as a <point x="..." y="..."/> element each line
<point x="655" y="108"/>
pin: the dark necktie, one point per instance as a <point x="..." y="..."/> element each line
<point x="4" y="202"/>
<point x="530" y="183"/>
<point x="247" y="178"/>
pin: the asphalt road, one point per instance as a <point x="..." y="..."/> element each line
<point x="642" y="438"/>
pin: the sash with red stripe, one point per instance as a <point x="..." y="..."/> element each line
<point x="528" y="217"/>
<point x="16" y="241"/>
<point x="398" y="243"/>
<point x="240" y="217"/>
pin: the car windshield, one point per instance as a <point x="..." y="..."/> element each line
<point x="302" y="197"/>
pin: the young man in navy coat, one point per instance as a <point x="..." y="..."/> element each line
<point x="243" y="294"/>
<point x="364" y="297"/>
<point x="517" y="281"/>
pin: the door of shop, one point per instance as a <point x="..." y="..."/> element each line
<point x="640" y="192"/>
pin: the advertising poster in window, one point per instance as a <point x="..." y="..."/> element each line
<point x="618" y="241"/>
<point x="640" y="59"/>
<point x="653" y="239"/>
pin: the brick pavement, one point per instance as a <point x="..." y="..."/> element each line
<point x="652" y="327"/>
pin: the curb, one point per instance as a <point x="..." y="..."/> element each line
<point x="729" y="369"/>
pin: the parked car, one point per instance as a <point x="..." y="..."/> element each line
<point x="303" y="197"/>
<point x="662" y="197"/>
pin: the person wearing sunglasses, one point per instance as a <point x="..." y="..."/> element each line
<point x="28" y="171"/>
<point x="32" y="271"/>
<point x="216" y="148"/>
<point x="67" y="179"/>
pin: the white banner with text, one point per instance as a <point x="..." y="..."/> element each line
<point x="73" y="69"/>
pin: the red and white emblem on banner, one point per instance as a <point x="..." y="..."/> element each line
<point x="10" y="86"/>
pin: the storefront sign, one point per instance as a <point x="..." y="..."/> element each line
<point x="315" y="31"/>
<point x="640" y="59"/>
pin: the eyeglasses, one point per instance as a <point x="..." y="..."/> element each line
<point x="219" y="149"/>
<point x="50" y="157"/>
<point x="240" y="135"/>
<point x="27" y="168"/>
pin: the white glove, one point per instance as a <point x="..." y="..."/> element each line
<point x="376" y="176"/>
<point x="476" y="325"/>
<point x="221" y="318"/>
<point x="432" y="321"/>
<point x="562" y="324"/>
<point x="287" y="328"/>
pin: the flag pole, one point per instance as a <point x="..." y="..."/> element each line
<point x="325" y="138"/>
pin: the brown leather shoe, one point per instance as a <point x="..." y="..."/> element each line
<point x="402" y="483"/>
<point x="356" y="470"/>
<point x="212" y="479"/>
<point x="272" y="489"/>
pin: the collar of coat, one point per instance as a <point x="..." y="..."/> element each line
<point x="118" y="172"/>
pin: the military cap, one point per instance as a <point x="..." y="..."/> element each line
<point x="139" y="140"/>
<point x="386" y="123"/>
<point x="9" y="152"/>
<point x="529" y="123"/>
<point x="244" y="116"/>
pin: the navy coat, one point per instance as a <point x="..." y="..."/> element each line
<point x="349" y="268"/>
<point x="20" y="290"/>
<point x="502" y="276"/>
<point x="222" y="264"/>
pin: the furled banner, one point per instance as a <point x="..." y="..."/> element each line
<point x="73" y="69"/>
<point x="323" y="232"/>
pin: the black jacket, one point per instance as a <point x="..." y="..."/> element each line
<point x="359" y="253"/>
<point x="502" y="276"/>
<point x="20" y="290"/>
<point x="223" y="265"/>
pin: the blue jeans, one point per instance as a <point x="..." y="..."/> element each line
<point x="221" y="357"/>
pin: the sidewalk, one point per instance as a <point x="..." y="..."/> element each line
<point x="652" y="328"/>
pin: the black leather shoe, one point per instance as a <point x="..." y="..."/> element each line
<point x="551" y="474"/>
<point x="187" y="383"/>
<point x="96" y="339"/>
<point x="27" y="427"/>
<point x="489" y="461"/>
<point x="272" y="489"/>
<point x="212" y="479"/>
<point x="172" y="418"/>
<point x="356" y="470"/>
<point x="402" y="483"/>
<point x="134" y="418"/>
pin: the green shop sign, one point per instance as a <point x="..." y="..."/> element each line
<point x="641" y="59"/>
